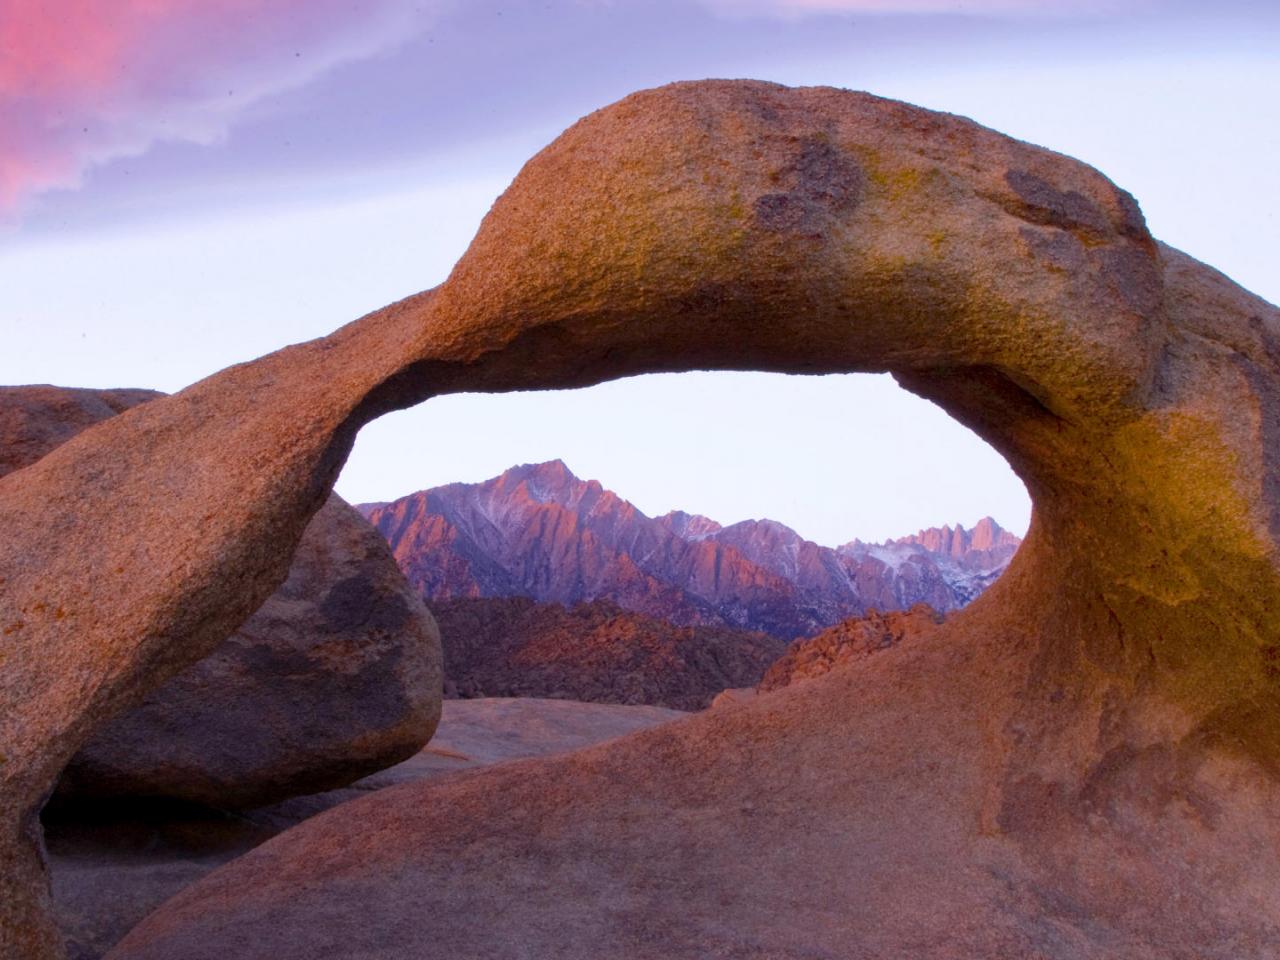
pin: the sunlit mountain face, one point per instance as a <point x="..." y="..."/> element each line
<point x="538" y="531"/>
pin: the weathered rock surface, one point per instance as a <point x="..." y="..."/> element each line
<point x="35" y="419"/>
<point x="114" y="867"/>
<point x="595" y="652"/>
<point x="538" y="531"/>
<point x="854" y="639"/>
<point x="733" y="696"/>
<point x="336" y="676"/>
<point x="1082" y="763"/>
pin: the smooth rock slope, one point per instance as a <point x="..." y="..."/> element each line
<point x="112" y="869"/>
<point x="1082" y="763"/>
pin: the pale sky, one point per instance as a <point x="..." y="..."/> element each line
<point x="203" y="181"/>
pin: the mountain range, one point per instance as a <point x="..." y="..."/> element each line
<point x="538" y="531"/>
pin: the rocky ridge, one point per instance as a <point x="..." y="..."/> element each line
<point x="594" y="651"/>
<point x="539" y="531"/>
<point x="847" y="642"/>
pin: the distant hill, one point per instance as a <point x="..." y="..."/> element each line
<point x="517" y="647"/>
<point x="538" y="531"/>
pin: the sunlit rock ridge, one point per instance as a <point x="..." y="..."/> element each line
<point x="539" y="531"/>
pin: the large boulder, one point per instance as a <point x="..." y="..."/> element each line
<point x="1083" y="763"/>
<point x="335" y="676"/>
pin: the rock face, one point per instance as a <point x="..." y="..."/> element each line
<point x="336" y="676"/>
<point x="855" y="639"/>
<point x="595" y="652"/>
<point x="1080" y="764"/>
<point x="538" y="531"/>
<point x="113" y="868"/>
<point x="35" y="419"/>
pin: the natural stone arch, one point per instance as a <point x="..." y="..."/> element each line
<point x="747" y="226"/>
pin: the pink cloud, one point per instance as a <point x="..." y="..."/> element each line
<point x="86" y="81"/>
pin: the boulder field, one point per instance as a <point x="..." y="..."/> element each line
<point x="1085" y="762"/>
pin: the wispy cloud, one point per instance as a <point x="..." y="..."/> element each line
<point x="87" y="81"/>
<point x="982" y="8"/>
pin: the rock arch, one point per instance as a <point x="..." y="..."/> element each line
<point x="1118" y="686"/>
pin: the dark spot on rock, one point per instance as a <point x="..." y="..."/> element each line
<point x="280" y="662"/>
<point x="1059" y="249"/>
<point x="818" y="181"/>
<point x="704" y="298"/>
<point x="1043" y="203"/>
<point x="1029" y="803"/>
<point x="781" y="211"/>
<point x="1131" y="273"/>
<point x="356" y="603"/>
<point x="1132" y="223"/>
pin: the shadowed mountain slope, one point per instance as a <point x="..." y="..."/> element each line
<point x="596" y="651"/>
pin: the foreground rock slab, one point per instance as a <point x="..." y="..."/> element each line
<point x="1083" y="763"/>
<point x="112" y="869"/>
<point x="743" y="839"/>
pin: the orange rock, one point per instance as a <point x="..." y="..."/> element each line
<point x="1083" y="763"/>
<point x="855" y="639"/>
<point x="334" y="677"/>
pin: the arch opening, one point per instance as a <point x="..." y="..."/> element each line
<point x="729" y="504"/>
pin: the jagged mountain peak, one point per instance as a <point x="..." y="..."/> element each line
<point x="689" y="526"/>
<point x="539" y="531"/>
<point x="549" y="480"/>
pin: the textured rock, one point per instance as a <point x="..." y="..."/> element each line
<point x="854" y="639"/>
<point x="337" y="675"/>
<point x="538" y="531"/>
<point x="113" y="868"/>
<point x="595" y="652"/>
<point x="1082" y="763"/>
<point x="733" y="696"/>
<point x="35" y="419"/>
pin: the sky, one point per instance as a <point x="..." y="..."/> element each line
<point x="186" y="184"/>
